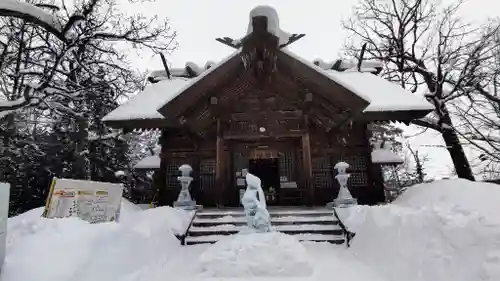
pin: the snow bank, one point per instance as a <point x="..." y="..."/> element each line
<point x="72" y="249"/>
<point x="457" y="194"/>
<point x="446" y="230"/>
<point x="256" y="255"/>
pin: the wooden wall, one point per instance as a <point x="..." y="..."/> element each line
<point x="349" y="145"/>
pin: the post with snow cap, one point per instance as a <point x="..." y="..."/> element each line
<point x="184" y="200"/>
<point x="344" y="197"/>
<point x="4" y="214"/>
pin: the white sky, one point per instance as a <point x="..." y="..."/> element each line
<point x="199" y="22"/>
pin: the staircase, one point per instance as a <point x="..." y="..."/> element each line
<point x="307" y="224"/>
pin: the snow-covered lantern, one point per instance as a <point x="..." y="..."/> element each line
<point x="341" y="167"/>
<point x="184" y="200"/>
<point x="344" y="197"/>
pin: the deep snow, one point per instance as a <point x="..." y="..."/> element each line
<point x="447" y="230"/>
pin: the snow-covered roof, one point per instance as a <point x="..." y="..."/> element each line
<point x="385" y="156"/>
<point x="185" y="71"/>
<point x="149" y="162"/>
<point x="382" y="94"/>
<point x="199" y="77"/>
<point x="144" y="105"/>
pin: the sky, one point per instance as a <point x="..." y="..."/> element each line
<point x="199" y="22"/>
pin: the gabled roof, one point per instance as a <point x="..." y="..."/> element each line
<point x="378" y="98"/>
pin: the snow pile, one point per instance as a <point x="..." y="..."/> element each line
<point x="442" y="231"/>
<point x="456" y="194"/>
<point x="72" y="249"/>
<point x="256" y="255"/>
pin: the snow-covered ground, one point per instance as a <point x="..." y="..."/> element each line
<point x="447" y="230"/>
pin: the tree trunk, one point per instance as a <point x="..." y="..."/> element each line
<point x="457" y="154"/>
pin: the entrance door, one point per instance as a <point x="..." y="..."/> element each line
<point x="267" y="169"/>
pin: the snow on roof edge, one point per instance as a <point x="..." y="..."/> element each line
<point x="201" y="76"/>
<point x="142" y="106"/>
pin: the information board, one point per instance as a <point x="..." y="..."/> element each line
<point x="89" y="200"/>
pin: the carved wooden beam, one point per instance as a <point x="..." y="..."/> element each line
<point x="272" y="115"/>
<point x="230" y="42"/>
<point x="165" y="65"/>
<point x="292" y="39"/>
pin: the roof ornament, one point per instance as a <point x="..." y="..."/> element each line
<point x="362" y="53"/>
<point x="165" y="65"/>
<point x="263" y="39"/>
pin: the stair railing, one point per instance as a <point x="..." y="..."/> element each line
<point x="348" y="235"/>
<point x="182" y="237"/>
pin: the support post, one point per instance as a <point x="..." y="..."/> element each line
<point x="220" y="167"/>
<point x="306" y="163"/>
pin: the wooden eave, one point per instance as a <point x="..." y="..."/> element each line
<point x="405" y="116"/>
<point x="199" y="88"/>
<point x="129" y="125"/>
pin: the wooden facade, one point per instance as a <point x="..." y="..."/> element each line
<point x="267" y="111"/>
<point x="246" y="120"/>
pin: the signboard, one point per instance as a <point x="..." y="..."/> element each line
<point x="89" y="200"/>
<point x="4" y="215"/>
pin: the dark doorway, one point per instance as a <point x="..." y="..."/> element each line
<point x="268" y="171"/>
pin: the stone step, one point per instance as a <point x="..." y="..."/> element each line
<point x="330" y="238"/>
<point x="226" y="229"/>
<point x="274" y="220"/>
<point x="272" y="213"/>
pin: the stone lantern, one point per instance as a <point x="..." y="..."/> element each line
<point x="344" y="197"/>
<point x="184" y="200"/>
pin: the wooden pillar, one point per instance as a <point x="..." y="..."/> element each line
<point x="220" y="178"/>
<point x="306" y="163"/>
<point x="198" y="191"/>
<point x="376" y="192"/>
<point x="160" y="175"/>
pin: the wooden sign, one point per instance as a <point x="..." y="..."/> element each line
<point x="263" y="154"/>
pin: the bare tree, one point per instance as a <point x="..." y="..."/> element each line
<point x="478" y="111"/>
<point x="35" y="64"/>
<point x="427" y="49"/>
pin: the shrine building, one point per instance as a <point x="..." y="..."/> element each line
<point x="266" y="109"/>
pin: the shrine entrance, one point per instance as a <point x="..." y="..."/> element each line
<point x="275" y="162"/>
<point x="267" y="169"/>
